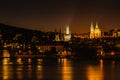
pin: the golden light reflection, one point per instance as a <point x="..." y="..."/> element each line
<point x="39" y="67"/>
<point x="101" y="64"/>
<point x="6" y="53"/>
<point x="19" y="72"/>
<point x="39" y="72"/>
<point x="19" y="61"/>
<point x="112" y="70"/>
<point x="6" y="60"/>
<point x="112" y="53"/>
<point x="66" y="70"/>
<point x="95" y="72"/>
<point x="113" y="65"/>
<point x="5" y="72"/>
<point x="29" y="71"/>
<point x="29" y="60"/>
<point x="39" y="61"/>
<point x="6" y="69"/>
<point x="29" y="67"/>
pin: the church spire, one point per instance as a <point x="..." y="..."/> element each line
<point x="60" y="29"/>
<point x="55" y="30"/>
<point x="96" y="25"/>
<point x="67" y="30"/>
<point x="91" y="27"/>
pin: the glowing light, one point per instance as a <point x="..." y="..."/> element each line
<point x="67" y="30"/>
<point x="67" y="35"/>
<point x="112" y="53"/>
<point x="101" y="64"/>
<point x="19" y="60"/>
<point x="39" y="61"/>
<point x="113" y="65"/>
<point x="66" y="70"/>
<point x="6" y="60"/>
<point x="94" y="73"/>
<point x="29" y="60"/>
<point x="5" y="72"/>
<point x="19" y="72"/>
<point x="6" y="69"/>
<point x="39" y="69"/>
<point x="6" y="53"/>
<point x="29" y="71"/>
<point x="95" y="33"/>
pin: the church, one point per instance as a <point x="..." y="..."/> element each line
<point x="95" y="32"/>
<point x="66" y="36"/>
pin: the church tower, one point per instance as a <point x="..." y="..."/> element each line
<point x="91" y="31"/>
<point x="67" y="34"/>
<point x="57" y="37"/>
<point x="95" y="32"/>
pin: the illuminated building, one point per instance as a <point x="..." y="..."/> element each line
<point x="95" y="32"/>
<point x="115" y="33"/>
<point x="67" y="34"/>
<point x="57" y="38"/>
<point x="58" y="35"/>
<point x="91" y="31"/>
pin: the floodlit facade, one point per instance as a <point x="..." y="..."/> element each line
<point x="91" y="31"/>
<point x="95" y="32"/>
<point x="57" y="38"/>
<point x="115" y="33"/>
<point x="67" y="34"/>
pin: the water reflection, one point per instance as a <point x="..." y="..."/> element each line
<point x="19" y="61"/>
<point x="19" y="73"/>
<point x="113" y="64"/>
<point x="29" y="61"/>
<point x="39" y="73"/>
<point x="6" y="60"/>
<point x="29" y="71"/>
<point x="6" y="69"/>
<point x="66" y="69"/>
<point x="95" y="72"/>
<point x="58" y="69"/>
<point x="101" y="64"/>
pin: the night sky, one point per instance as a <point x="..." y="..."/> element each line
<point x="46" y="15"/>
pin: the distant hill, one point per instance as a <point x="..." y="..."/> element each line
<point x="13" y="29"/>
<point x="14" y="34"/>
<point x="9" y="32"/>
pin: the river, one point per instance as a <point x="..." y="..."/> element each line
<point x="58" y="69"/>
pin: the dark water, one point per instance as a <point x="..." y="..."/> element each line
<point x="58" y="69"/>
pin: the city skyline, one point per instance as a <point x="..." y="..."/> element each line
<point x="47" y="15"/>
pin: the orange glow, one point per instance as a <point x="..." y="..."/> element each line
<point x="39" y="69"/>
<point x="6" y="60"/>
<point x="66" y="70"/>
<point x="29" y="60"/>
<point x="94" y="73"/>
<point x="39" y="72"/>
<point x="6" y="53"/>
<point x="101" y="64"/>
<point x="64" y="53"/>
<point x="29" y="71"/>
<point x="39" y="61"/>
<point x="113" y="65"/>
<point x="19" y="72"/>
<point x="112" y="53"/>
<point x="6" y="69"/>
<point x="5" y="72"/>
<point x="19" y="60"/>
